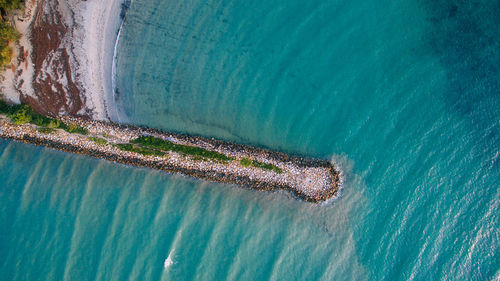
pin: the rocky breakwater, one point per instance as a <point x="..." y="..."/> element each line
<point x="219" y="161"/>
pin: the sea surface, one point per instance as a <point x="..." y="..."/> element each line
<point x="403" y="95"/>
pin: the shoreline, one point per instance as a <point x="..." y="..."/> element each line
<point x="312" y="180"/>
<point x="106" y="19"/>
<point x="110" y="100"/>
<point x="72" y="54"/>
<point x="97" y="24"/>
<point x="63" y="62"/>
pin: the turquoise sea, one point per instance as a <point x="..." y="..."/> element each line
<point x="403" y="95"/>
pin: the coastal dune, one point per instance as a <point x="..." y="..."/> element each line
<point x="67" y="50"/>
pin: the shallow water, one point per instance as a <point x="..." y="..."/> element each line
<point x="404" y="96"/>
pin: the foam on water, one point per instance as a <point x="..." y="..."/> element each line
<point x="168" y="261"/>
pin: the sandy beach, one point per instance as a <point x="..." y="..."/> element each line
<point x="64" y="59"/>
<point x="97" y="26"/>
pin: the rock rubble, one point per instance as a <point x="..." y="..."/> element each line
<point x="308" y="179"/>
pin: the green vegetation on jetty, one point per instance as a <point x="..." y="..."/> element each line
<point x="21" y="114"/>
<point x="98" y="140"/>
<point x="45" y="130"/>
<point x="141" y="150"/>
<point x="156" y="143"/>
<point x="144" y="145"/>
<point x="247" y="162"/>
<point x="7" y="32"/>
<point x="74" y="129"/>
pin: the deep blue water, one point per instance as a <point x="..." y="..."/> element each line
<point x="404" y="95"/>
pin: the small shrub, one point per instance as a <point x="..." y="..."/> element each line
<point x="7" y="33"/>
<point x="75" y="129"/>
<point x="99" y="140"/>
<point x="21" y="115"/>
<point x="266" y="166"/>
<point x="54" y="123"/>
<point x="4" y="107"/>
<point x="141" y="150"/>
<point x="197" y="158"/>
<point x="45" y="130"/>
<point x="165" y="145"/>
<point x="42" y="121"/>
<point x="246" y="162"/>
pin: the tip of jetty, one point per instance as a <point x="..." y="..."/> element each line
<point x="309" y="179"/>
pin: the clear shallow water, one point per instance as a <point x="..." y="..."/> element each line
<point x="403" y="95"/>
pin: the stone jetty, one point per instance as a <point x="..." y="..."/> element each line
<point x="312" y="180"/>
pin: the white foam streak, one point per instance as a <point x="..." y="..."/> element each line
<point x="342" y="165"/>
<point x="169" y="261"/>
<point x="111" y="102"/>
<point x="111" y="109"/>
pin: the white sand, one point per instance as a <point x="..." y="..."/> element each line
<point x="95" y="30"/>
<point x="90" y="43"/>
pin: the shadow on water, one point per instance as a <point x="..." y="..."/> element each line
<point x="466" y="39"/>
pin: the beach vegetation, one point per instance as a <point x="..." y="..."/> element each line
<point x="39" y="120"/>
<point x="267" y="166"/>
<point x="247" y="162"/>
<point x="99" y="140"/>
<point x="197" y="158"/>
<point x="141" y="150"/>
<point x="45" y="130"/>
<point x="54" y="123"/>
<point x="74" y="128"/>
<point x="23" y="113"/>
<point x="165" y="145"/>
<point x="4" y="107"/>
<point x="8" y="33"/>
<point x="9" y="5"/>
